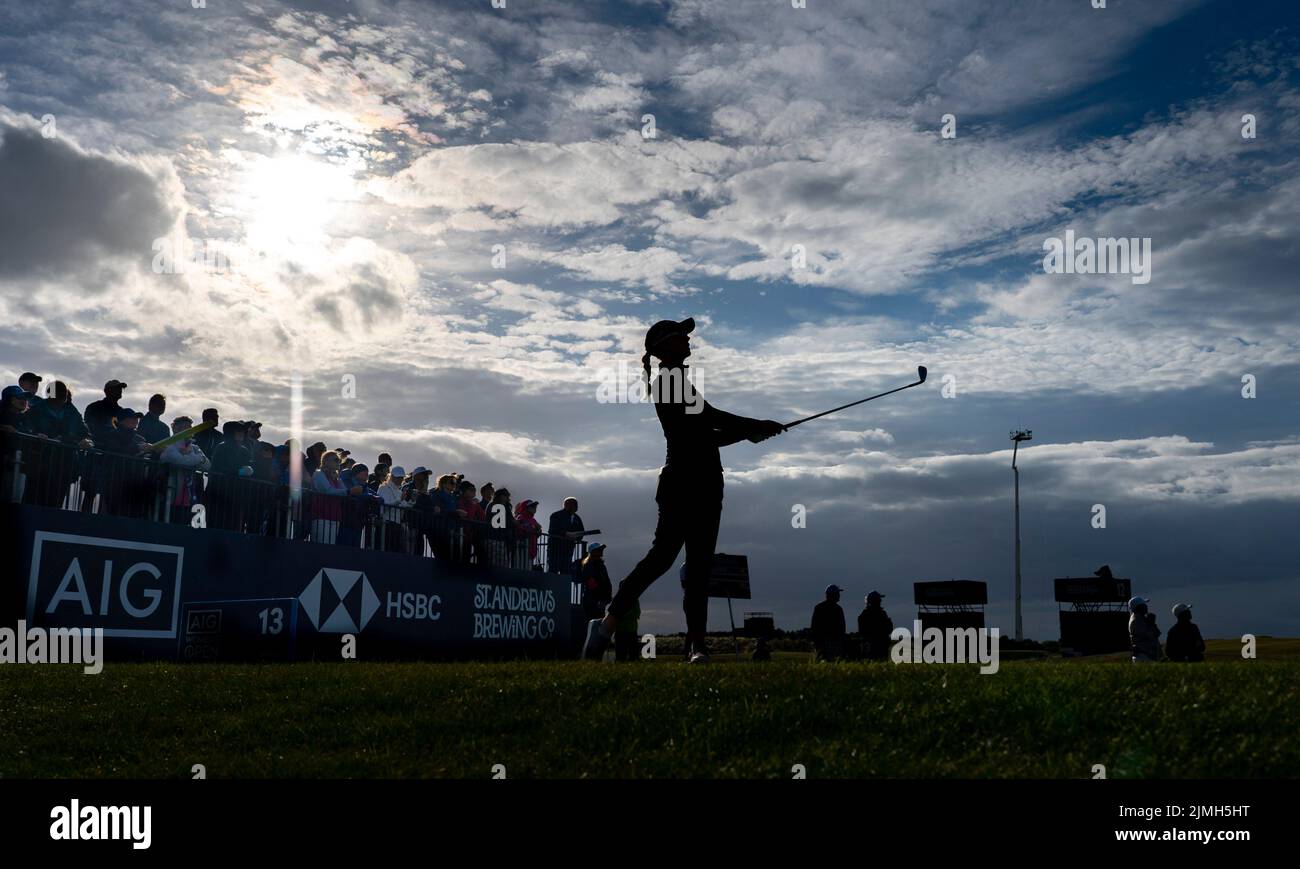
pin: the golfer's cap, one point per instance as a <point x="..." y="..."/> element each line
<point x="1134" y="601"/>
<point x="1180" y="608"/>
<point x="666" y="329"/>
<point x="875" y="595"/>
<point x="27" y="375"/>
<point x="16" y="391"/>
<point x="420" y="470"/>
<point x="113" y="383"/>
<point x="833" y="588"/>
<point x="595" y="547"/>
<point x="398" y="471"/>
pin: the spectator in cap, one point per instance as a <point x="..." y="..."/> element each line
<point x="131" y="481"/>
<point x="390" y="489"/>
<point x="210" y="439"/>
<point x="101" y="414"/>
<point x="1184" y="643"/>
<point x="1144" y="636"/>
<point x="563" y="530"/>
<point x="152" y="428"/>
<point x="32" y="383"/>
<point x="233" y="452"/>
<point x="125" y="440"/>
<point x="828" y="625"/>
<point x="874" y="628"/>
<point x="529" y="527"/>
<point x="358" y="506"/>
<point x="14" y="410"/>
<point x="593" y="575"/>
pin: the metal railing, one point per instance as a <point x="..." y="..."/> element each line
<point x="48" y="473"/>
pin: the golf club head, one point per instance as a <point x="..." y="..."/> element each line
<point x="920" y="373"/>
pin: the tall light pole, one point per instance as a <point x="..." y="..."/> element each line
<point x="1016" y="438"/>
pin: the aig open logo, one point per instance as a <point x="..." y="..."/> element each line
<point x="127" y="588"/>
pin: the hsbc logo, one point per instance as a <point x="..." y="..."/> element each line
<point x="128" y="589"/>
<point x="339" y="601"/>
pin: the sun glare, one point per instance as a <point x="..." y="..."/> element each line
<point x="287" y="204"/>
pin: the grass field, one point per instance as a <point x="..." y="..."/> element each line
<point x="1038" y="718"/>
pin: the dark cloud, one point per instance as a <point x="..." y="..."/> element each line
<point x="62" y="209"/>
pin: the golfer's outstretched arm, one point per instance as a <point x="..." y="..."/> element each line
<point x="729" y="428"/>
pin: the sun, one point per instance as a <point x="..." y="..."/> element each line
<point x="288" y="203"/>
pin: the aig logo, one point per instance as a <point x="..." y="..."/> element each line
<point x="127" y="588"/>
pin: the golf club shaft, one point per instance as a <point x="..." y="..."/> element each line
<point x="852" y="404"/>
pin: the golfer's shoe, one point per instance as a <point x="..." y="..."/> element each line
<point x="698" y="658"/>
<point x="597" y="641"/>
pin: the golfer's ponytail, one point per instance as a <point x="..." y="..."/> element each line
<point x="645" y="363"/>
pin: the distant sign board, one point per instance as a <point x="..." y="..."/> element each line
<point x="1092" y="589"/>
<point x="729" y="577"/>
<point x="956" y="592"/>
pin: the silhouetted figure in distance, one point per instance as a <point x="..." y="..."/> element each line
<point x="874" y="627"/>
<point x="828" y="625"/>
<point x="1184" y="643"/>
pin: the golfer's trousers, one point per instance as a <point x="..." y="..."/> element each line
<point x="688" y="516"/>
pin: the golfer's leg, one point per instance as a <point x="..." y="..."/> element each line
<point x="701" y="538"/>
<point x="670" y="534"/>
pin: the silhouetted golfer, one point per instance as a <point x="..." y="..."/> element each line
<point x="690" y="488"/>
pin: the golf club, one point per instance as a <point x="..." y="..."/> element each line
<point x="920" y="378"/>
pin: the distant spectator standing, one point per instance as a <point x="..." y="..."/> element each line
<point x="564" y="530"/>
<point x="232" y="453"/>
<point x="152" y="428"/>
<point x="125" y="440"/>
<point x="315" y="455"/>
<point x="327" y="506"/>
<point x="100" y="414"/>
<point x="32" y="383"/>
<point x="1184" y="643"/>
<point x="208" y="440"/>
<point x="828" y="625"/>
<point x="1144" y="636"/>
<point x="529" y="527"/>
<point x="874" y="628"/>
<point x="14" y="411"/>
<point x="593" y="575"/>
<point x="55" y="419"/>
<point x="184" y="458"/>
<point x="486" y="493"/>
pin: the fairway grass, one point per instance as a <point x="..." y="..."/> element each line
<point x="560" y="719"/>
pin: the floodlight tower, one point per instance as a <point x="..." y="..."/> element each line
<point x="1016" y="438"/>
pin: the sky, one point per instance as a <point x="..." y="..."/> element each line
<point x="454" y="222"/>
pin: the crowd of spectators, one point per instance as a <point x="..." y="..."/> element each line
<point x="118" y="460"/>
